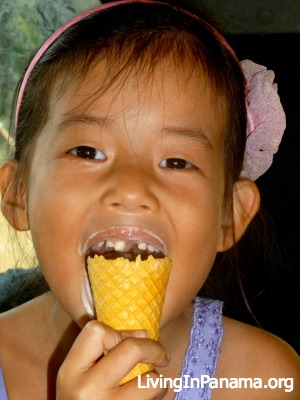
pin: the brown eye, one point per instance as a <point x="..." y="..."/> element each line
<point x="88" y="153"/>
<point x="176" y="163"/>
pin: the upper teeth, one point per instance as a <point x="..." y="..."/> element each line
<point x="142" y="246"/>
<point x="120" y="245"/>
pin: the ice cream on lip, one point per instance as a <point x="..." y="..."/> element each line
<point x="124" y="241"/>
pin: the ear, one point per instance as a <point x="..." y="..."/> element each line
<point x="14" y="196"/>
<point x="246" y="201"/>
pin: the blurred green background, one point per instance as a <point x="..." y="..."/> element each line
<point x="24" y="24"/>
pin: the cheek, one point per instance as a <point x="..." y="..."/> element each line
<point x="199" y="221"/>
<point x="191" y="266"/>
<point x="198" y="233"/>
<point x="55" y="230"/>
<point x="45" y="216"/>
<point x="56" y="214"/>
<point x="184" y="285"/>
<point x="54" y="219"/>
<point x="51" y="200"/>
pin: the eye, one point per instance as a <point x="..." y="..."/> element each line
<point x="176" y="163"/>
<point x="88" y="153"/>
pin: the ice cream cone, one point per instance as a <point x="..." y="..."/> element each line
<point x="129" y="295"/>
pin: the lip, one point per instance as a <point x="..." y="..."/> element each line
<point x="133" y="233"/>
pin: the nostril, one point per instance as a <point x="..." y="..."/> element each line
<point x="143" y="207"/>
<point x="115" y="204"/>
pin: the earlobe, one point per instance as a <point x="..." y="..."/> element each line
<point x="13" y="196"/>
<point x="246" y="202"/>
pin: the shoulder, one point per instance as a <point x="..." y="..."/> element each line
<point x="15" y="323"/>
<point x="21" y="325"/>
<point x="24" y="337"/>
<point x="250" y="352"/>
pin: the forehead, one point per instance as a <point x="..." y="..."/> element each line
<point x="167" y="93"/>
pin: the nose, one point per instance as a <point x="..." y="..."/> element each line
<point x="131" y="189"/>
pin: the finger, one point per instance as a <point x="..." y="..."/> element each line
<point x="94" y="339"/>
<point x="121" y="359"/>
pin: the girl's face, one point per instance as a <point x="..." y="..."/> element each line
<point x="141" y="163"/>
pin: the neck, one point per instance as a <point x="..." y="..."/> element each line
<point x="175" y="339"/>
<point x="62" y="332"/>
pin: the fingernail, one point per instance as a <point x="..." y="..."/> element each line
<point x="141" y="333"/>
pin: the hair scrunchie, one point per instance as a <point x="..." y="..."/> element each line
<point x="266" y="120"/>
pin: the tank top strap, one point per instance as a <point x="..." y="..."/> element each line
<point x="203" y="351"/>
<point x="3" y="394"/>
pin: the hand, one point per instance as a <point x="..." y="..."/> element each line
<point x="86" y="375"/>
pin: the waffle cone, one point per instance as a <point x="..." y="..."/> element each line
<point x="129" y="295"/>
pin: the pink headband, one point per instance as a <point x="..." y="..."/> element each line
<point x="266" y="118"/>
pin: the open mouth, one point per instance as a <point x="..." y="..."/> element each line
<point x="115" y="242"/>
<point x="113" y="248"/>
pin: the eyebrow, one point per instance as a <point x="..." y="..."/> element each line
<point x="70" y="119"/>
<point x="193" y="134"/>
<point x="196" y="135"/>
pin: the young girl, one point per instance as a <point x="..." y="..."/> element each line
<point x="131" y="126"/>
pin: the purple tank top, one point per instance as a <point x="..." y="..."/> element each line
<point x="203" y="351"/>
<point x="202" y="354"/>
